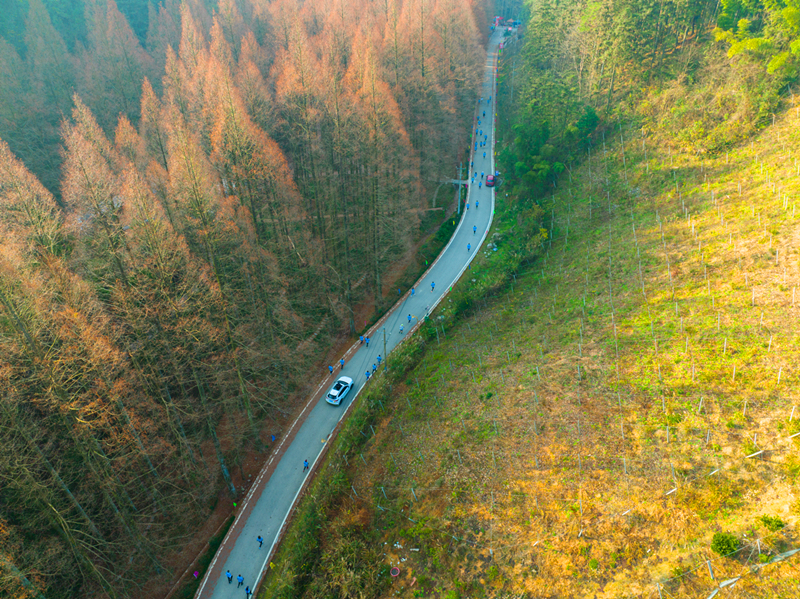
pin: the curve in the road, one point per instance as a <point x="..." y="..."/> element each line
<point x="278" y="486"/>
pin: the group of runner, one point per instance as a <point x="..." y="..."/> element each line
<point x="480" y="143"/>
<point x="478" y="132"/>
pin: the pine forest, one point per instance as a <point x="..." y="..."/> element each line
<point x="196" y="200"/>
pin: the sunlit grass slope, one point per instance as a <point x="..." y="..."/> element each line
<point x="586" y="432"/>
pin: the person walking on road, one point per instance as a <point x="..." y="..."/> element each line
<point x="341" y="364"/>
<point x="480" y="184"/>
<point x="305" y="465"/>
<point x="240" y="579"/>
<point x="474" y="229"/>
<point x="432" y="286"/>
<point x="330" y="369"/>
<point x="229" y="576"/>
<point x="260" y="541"/>
<point x="409" y="319"/>
<point x="484" y="113"/>
<point x="374" y="368"/>
<point x="367" y="339"/>
<point x="247" y="592"/>
<point x="476" y="204"/>
<point x="481" y="174"/>
<point x="401" y="329"/>
<point x="379" y="359"/>
<point x="484" y="154"/>
<point x="367" y="373"/>
<point x="361" y="338"/>
<point x="467" y="205"/>
<point x="469" y="247"/>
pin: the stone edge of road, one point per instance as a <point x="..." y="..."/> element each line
<point x="258" y="483"/>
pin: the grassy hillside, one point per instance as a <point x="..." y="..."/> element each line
<point x="605" y="408"/>
<point x="588" y="429"/>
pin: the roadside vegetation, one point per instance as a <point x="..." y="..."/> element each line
<point x="605" y="405"/>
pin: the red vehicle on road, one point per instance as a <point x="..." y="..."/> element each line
<point x="490" y="181"/>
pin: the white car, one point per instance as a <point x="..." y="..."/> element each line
<point x="339" y="390"/>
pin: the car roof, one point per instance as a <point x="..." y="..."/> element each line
<point x="345" y="379"/>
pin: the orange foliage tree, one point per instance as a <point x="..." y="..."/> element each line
<point x="163" y="296"/>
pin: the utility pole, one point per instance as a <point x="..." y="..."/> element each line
<point x="385" y="355"/>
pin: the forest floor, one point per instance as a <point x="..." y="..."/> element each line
<point x="587" y="432"/>
<point x="185" y="562"/>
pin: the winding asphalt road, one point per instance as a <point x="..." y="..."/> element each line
<point x="278" y="486"/>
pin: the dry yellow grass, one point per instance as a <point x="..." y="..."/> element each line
<point x="560" y="442"/>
